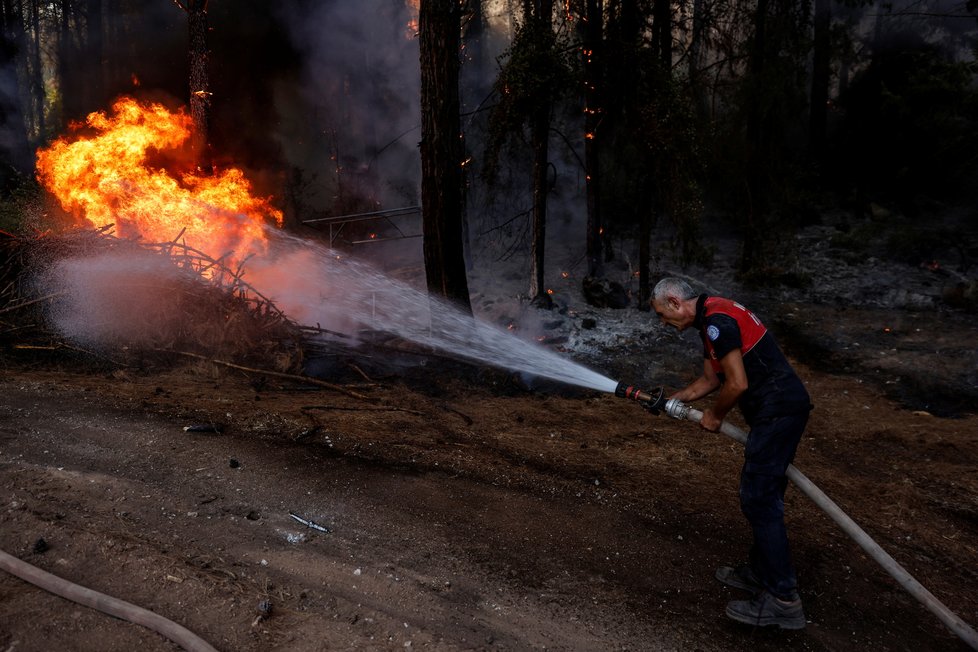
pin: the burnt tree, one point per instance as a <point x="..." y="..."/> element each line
<point x="16" y="161"/>
<point x="439" y="24"/>
<point x="540" y="137"/>
<point x="532" y="79"/>
<point x="592" y="59"/>
<point x="200" y="93"/>
<point x="820" y="81"/>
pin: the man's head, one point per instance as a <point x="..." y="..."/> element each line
<point x="674" y="301"/>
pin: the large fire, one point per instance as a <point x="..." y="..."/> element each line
<point x="101" y="174"/>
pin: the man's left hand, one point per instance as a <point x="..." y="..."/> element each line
<point x="710" y="421"/>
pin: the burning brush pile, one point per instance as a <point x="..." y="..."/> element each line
<point x="87" y="290"/>
<point x="166" y="275"/>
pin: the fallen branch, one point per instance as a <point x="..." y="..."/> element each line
<point x="276" y="374"/>
<point x="360" y="371"/>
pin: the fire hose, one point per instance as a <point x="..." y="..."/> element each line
<point x="655" y="401"/>
<point x="104" y="603"/>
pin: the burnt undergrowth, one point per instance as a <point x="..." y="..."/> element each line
<point x="88" y="298"/>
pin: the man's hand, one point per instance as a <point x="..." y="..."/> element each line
<point x="710" y="421"/>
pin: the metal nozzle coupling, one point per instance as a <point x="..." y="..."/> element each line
<point x="651" y="401"/>
<point x="677" y="409"/>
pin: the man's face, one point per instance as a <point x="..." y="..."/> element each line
<point x="670" y="313"/>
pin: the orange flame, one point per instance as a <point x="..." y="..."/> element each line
<point x="100" y="175"/>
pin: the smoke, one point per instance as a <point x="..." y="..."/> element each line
<point x="357" y="113"/>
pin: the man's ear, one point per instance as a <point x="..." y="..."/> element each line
<point x="675" y="303"/>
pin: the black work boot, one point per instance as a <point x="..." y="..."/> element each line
<point x="741" y="577"/>
<point x="765" y="609"/>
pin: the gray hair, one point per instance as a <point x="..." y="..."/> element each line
<point x="672" y="286"/>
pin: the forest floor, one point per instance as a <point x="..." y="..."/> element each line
<point x="468" y="513"/>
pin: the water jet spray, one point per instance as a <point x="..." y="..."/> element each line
<point x="654" y="401"/>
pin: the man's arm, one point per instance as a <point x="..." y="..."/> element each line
<point x="734" y="384"/>
<point x="700" y="387"/>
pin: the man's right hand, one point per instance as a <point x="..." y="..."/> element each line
<point x="710" y="421"/>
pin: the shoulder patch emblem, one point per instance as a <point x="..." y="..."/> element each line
<point x="713" y="333"/>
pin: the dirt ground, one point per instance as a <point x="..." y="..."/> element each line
<point x="468" y="515"/>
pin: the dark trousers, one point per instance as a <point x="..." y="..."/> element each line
<point x="771" y="446"/>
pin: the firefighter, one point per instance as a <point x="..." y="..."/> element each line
<point x="743" y="361"/>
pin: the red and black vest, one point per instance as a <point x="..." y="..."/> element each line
<point x="751" y="328"/>
<point x="773" y="387"/>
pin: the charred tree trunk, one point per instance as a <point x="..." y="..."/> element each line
<point x="757" y="136"/>
<point x="593" y="111"/>
<point x="94" y="89"/>
<point x="646" y="224"/>
<point x="37" y="75"/>
<point x="820" y="82"/>
<point x="662" y="33"/>
<point x="656" y="199"/>
<point x="200" y="93"/>
<point x="17" y="147"/>
<point x="441" y="153"/>
<point x="540" y="134"/>
<point x="696" y="50"/>
<point x="70" y="78"/>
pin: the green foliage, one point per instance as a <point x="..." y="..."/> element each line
<point x="537" y="71"/>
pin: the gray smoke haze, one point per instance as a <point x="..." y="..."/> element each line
<point x="356" y="117"/>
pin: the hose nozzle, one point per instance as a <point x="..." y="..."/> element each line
<point x="652" y="401"/>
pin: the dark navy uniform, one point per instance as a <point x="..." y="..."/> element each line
<point x="776" y="406"/>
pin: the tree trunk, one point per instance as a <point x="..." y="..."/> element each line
<point x="592" y="56"/>
<point x="441" y="153"/>
<point x="200" y="95"/>
<point x="17" y="152"/>
<point x="662" y="33"/>
<point x="820" y="82"/>
<point x="94" y="89"/>
<point x="756" y="160"/>
<point x="646" y="223"/>
<point x="696" y="50"/>
<point x="540" y="134"/>
<point x="70" y="78"/>
<point x="655" y="198"/>
<point x="37" y="76"/>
